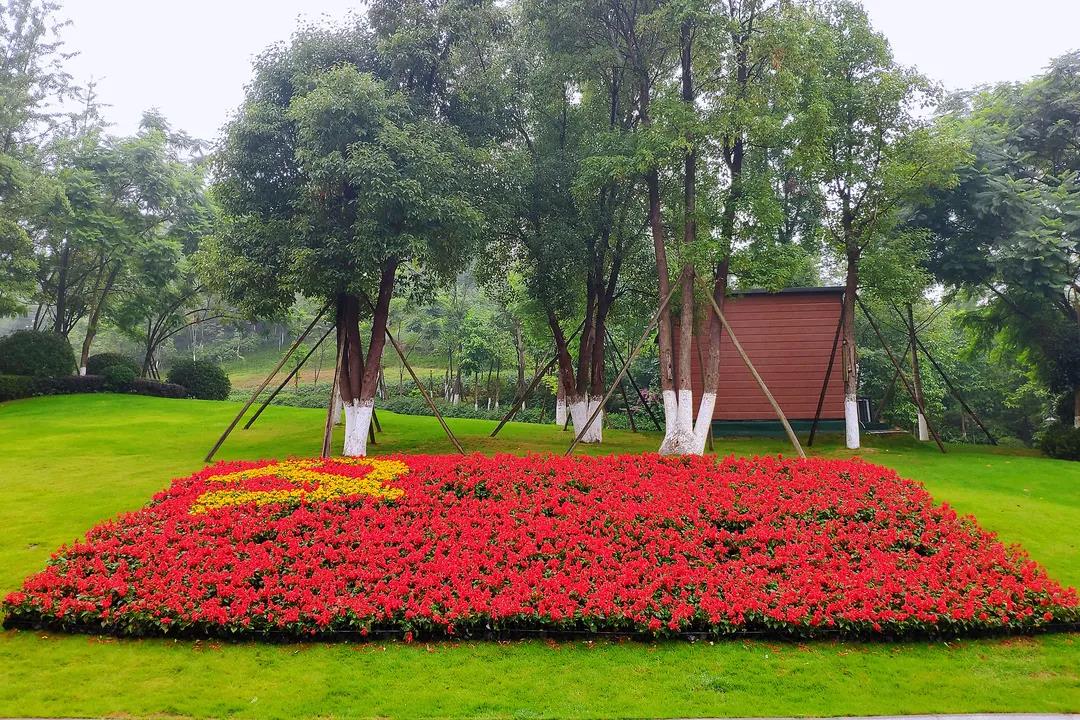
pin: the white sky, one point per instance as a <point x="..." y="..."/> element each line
<point x="191" y="59"/>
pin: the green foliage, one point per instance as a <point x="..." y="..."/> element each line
<point x="204" y="380"/>
<point x="1061" y="441"/>
<point x="32" y="84"/>
<point x="36" y="353"/>
<point x="338" y="168"/>
<point x="1009" y="233"/>
<point x="119" y="377"/>
<point x="155" y="388"/>
<point x="15" y="387"/>
<point x="97" y="364"/>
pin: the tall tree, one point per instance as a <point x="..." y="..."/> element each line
<point x="565" y="227"/>
<point x="113" y="199"/>
<point x="343" y="169"/>
<point x="880" y="155"/>
<point x="33" y="83"/>
<point x="1009" y="233"/>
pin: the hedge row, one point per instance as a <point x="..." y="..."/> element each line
<point x="16" y="387"/>
<point x="1062" y="442"/>
<point x="309" y="396"/>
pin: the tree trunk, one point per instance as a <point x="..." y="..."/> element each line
<point x="95" y="318"/>
<point x="921" y="429"/>
<point x="560" y="403"/>
<point x="519" y="346"/>
<point x="359" y="378"/>
<point x="60" y="309"/>
<point x="849" y="355"/>
<point x="679" y="438"/>
<point x="1076" y="408"/>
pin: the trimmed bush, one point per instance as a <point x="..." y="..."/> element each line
<point x="71" y="384"/>
<point x="1061" y="442"/>
<point x="203" y="379"/>
<point x="97" y="364"/>
<point x="37" y="354"/>
<point x="118" y="377"/>
<point x="15" y="387"/>
<point x="155" y="388"/>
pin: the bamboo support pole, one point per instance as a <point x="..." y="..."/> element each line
<point x="424" y="392"/>
<point x="828" y="375"/>
<point x="518" y="402"/>
<point x="292" y="348"/>
<point x="633" y="384"/>
<point x="289" y="377"/>
<point x="897" y="366"/>
<point x="955" y="392"/>
<point x="626" y="366"/>
<point x="328" y="431"/>
<point x="625" y="399"/>
<point x="761" y="383"/>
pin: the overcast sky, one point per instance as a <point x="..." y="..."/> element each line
<point x="191" y="59"/>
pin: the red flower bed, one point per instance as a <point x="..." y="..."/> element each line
<point x="444" y="544"/>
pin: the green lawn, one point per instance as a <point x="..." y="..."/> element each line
<point x="69" y="462"/>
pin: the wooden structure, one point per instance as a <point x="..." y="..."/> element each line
<point x="790" y="336"/>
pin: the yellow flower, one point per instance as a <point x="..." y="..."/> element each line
<point x="314" y="485"/>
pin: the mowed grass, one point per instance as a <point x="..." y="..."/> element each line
<point x="67" y="463"/>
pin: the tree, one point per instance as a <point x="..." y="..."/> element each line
<point x="32" y="84"/>
<point x="342" y="169"/>
<point x="1009" y="233"/>
<point x="879" y="156"/>
<point x="113" y="200"/>
<point x="563" y="226"/>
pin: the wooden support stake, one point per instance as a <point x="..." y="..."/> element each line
<point x="262" y="386"/>
<point x="896" y="365"/>
<point x="328" y="431"/>
<point x="701" y="366"/>
<point x="518" y="402"/>
<point x="889" y="389"/>
<point x="828" y="374"/>
<point x="761" y="383"/>
<point x="625" y="399"/>
<point x="289" y="377"/>
<point x="423" y="391"/>
<point x="633" y="384"/>
<point x="626" y="366"/>
<point x="954" y="391"/>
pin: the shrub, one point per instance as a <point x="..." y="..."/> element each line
<point x="36" y="353"/>
<point x="203" y="379"/>
<point x="1062" y="442"/>
<point x="15" y="387"/>
<point x="96" y="364"/>
<point x="118" y="377"/>
<point x="71" y="384"/>
<point x="156" y="388"/>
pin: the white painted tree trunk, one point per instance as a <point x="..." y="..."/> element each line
<point x="679" y="437"/>
<point x="922" y="428"/>
<point x="703" y="422"/>
<point x="851" y="421"/>
<point x="338" y="405"/>
<point x="581" y="409"/>
<point x="357" y="424"/>
<point x="560" y="412"/>
<point x="82" y="370"/>
<point x="1076" y="408"/>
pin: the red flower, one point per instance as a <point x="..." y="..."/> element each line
<point x="629" y="544"/>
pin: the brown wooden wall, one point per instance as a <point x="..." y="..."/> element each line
<point x="788" y="336"/>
